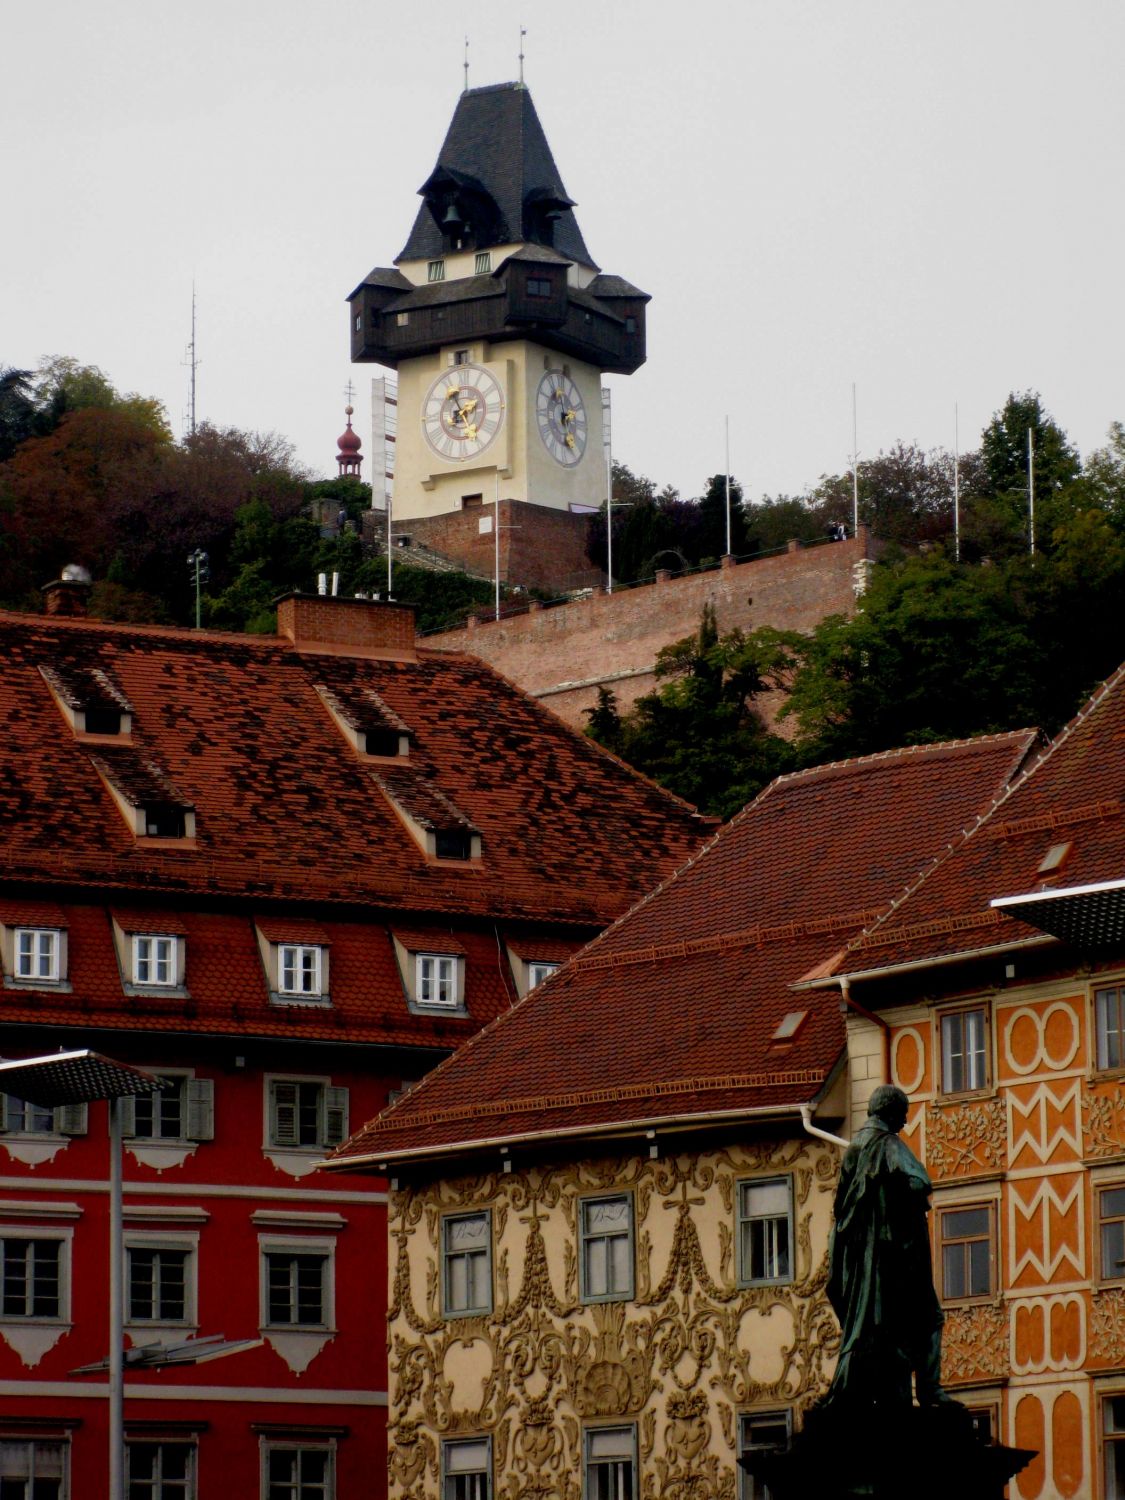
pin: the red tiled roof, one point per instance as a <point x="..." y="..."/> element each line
<point x="670" y="1014"/>
<point x="285" y="807"/>
<point x="166" y="923"/>
<point x="542" y="947"/>
<point x="228" y="991"/>
<point x="292" y="929"/>
<point x="1074" y="792"/>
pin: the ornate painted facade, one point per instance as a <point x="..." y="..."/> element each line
<point x="1034" y="1160"/>
<point x="679" y="1363"/>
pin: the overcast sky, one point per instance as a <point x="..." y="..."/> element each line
<point x="923" y="198"/>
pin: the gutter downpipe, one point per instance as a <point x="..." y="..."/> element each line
<point x="860" y="1010"/>
<point x="821" y="1135"/>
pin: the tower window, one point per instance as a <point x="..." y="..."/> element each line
<point x="435" y="270"/>
<point x="483" y="262"/>
<point x="402" y="319"/>
<point x="460" y="356"/>
<point x="538" y="286"/>
<point x="630" y="325"/>
<point x="358" y="322"/>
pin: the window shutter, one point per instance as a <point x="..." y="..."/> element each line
<point x="70" y="1119"/>
<point x="128" y="1116"/>
<point x="199" y="1102"/>
<point x="335" y="1116"/>
<point x="283" y="1113"/>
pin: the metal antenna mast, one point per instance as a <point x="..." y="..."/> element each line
<point x="523" y="33"/>
<point x="956" y="485"/>
<point x="465" y="90"/>
<point x="855" y="469"/>
<point x="192" y="361"/>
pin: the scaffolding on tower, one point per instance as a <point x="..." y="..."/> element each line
<point x="384" y="429"/>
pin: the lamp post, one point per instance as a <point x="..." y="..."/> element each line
<point x="84" y="1077"/>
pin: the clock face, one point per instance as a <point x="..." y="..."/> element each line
<point x="561" y="417"/>
<point x="462" y="412"/>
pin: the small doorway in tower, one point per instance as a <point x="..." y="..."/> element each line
<point x="471" y="502"/>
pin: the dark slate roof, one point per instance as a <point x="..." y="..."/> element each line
<point x="615" y="286"/>
<point x="495" y="138"/>
<point x="384" y="276"/>
<point x="673" y="1013"/>
<point x="440" y="293"/>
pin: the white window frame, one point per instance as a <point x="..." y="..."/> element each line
<point x="743" y="1188"/>
<point x="1104" y="996"/>
<point x="300" y="970"/>
<point x="587" y="1239"/>
<point x="327" y="1447"/>
<point x="146" y="949"/>
<point x="436" y="980"/>
<point x="482" y="263"/>
<point x="449" y="1254"/>
<point x="33" y="973"/>
<point x="967" y="1057"/>
<point x="65" y="1238"/>
<point x="155" y="1487"/>
<point x="749" y="1487"/>
<point x="332" y="1113"/>
<point x="166" y="1243"/>
<point x="435" y="270"/>
<point x="31" y="1444"/>
<point x="450" y="1490"/>
<point x="628" y="1492"/>
<point x="538" y="970"/>
<point x="321" y="1246"/>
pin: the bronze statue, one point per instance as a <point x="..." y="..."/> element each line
<point x="881" y="1283"/>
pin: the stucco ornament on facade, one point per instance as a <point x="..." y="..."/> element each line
<point x="966" y="1137"/>
<point x="974" y="1343"/>
<point x="679" y="1360"/>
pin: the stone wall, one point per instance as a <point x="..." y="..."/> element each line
<point x="540" y="547"/>
<point x="563" y="653"/>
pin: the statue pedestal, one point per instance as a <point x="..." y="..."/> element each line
<point x="914" y="1453"/>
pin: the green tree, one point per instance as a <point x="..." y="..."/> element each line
<point x="17" y="409"/>
<point x="700" y="733"/>
<point x="996" y="512"/>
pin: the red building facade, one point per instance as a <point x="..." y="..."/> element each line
<point x="288" y="876"/>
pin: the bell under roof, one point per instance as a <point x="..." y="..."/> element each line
<point x="495" y="145"/>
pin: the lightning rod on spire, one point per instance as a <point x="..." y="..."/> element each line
<point x="466" y="66"/>
<point x="523" y="33"/>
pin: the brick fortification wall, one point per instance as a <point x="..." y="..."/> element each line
<point x="539" y="547"/>
<point x="561" y="654"/>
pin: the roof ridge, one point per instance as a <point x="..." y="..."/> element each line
<point x="899" y="752"/>
<point x="89" y="623"/>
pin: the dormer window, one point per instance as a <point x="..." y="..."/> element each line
<point x="368" y="724"/>
<point x="295" y="957"/>
<point x="37" y="954"/>
<point x="437" y="979"/>
<point x="155" y="961"/>
<point x="435" y="270"/>
<point x="299" y="970"/>
<point x="453" y="843"/>
<point x="144" y="793"/>
<point x="538" y="286"/>
<point x="537" y="972"/>
<point x="100" y="719"/>
<point x="382" y="741"/>
<point x="164" y="820"/>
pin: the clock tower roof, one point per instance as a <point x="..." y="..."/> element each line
<point x="495" y="182"/>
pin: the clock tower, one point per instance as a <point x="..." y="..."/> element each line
<point x="499" y="324"/>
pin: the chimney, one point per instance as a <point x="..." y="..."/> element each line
<point x="68" y="594"/>
<point x="346" y="627"/>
